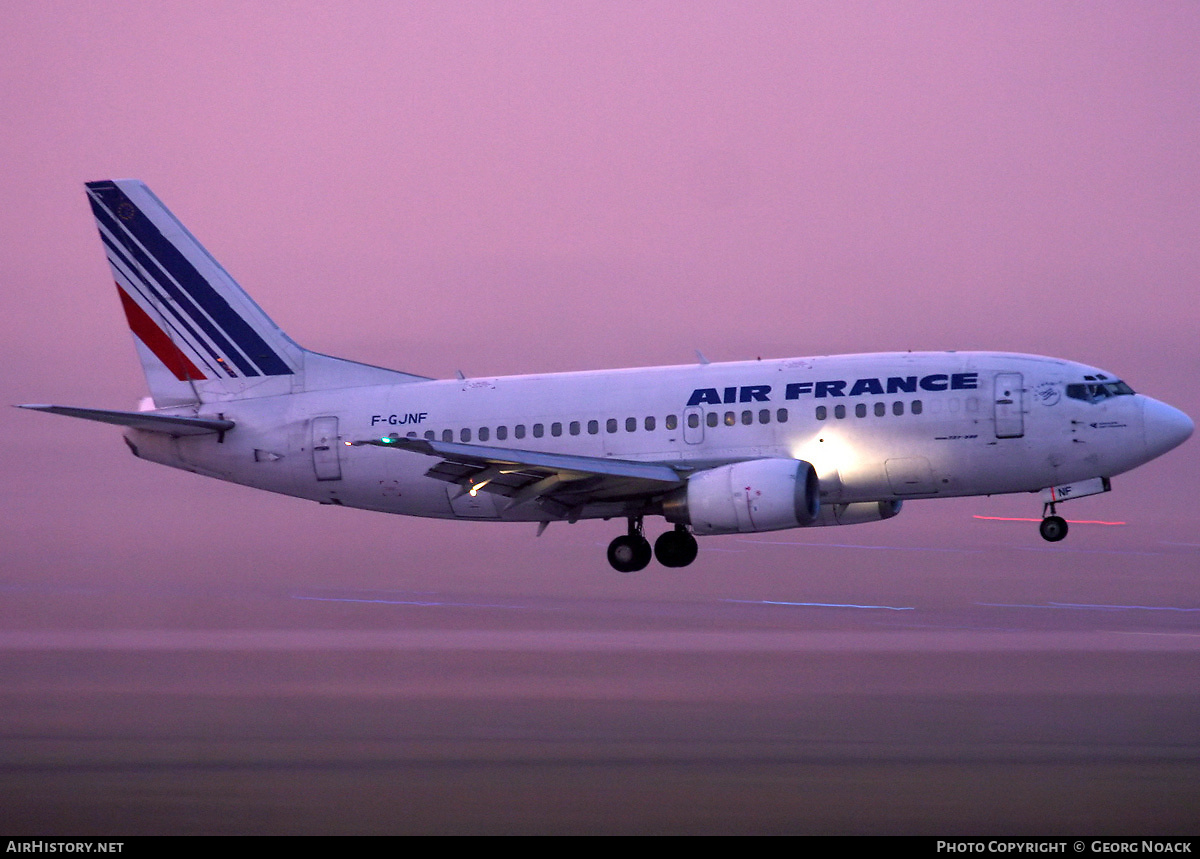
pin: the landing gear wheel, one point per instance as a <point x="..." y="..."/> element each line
<point x="676" y="548"/>
<point x="1053" y="528"/>
<point x="629" y="553"/>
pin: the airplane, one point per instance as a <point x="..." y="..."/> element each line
<point x="713" y="448"/>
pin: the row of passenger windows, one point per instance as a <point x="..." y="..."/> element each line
<point x="860" y="410"/>
<point x="671" y="422"/>
<point x="612" y="425"/>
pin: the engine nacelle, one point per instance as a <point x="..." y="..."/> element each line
<point x="861" y="511"/>
<point x="758" y="495"/>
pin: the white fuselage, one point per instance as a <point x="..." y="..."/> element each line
<point x="876" y="427"/>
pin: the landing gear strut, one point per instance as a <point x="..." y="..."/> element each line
<point x="1053" y="527"/>
<point x="630" y="552"/>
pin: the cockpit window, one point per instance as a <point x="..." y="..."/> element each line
<point x="1094" y="390"/>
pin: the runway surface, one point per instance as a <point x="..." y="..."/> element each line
<point x="332" y="711"/>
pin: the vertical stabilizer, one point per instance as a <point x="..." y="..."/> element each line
<point x="199" y="336"/>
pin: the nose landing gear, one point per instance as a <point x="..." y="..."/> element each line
<point x="631" y="552"/>
<point x="1053" y="527"/>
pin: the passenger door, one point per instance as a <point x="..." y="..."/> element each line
<point x="1009" y="400"/>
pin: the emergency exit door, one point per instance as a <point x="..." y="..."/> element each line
<point x="325" y="449"/>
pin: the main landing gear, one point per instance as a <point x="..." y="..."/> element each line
<point x="631" y="552"/>
<point x="1053" y="527"/>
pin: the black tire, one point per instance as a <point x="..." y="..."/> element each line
<point x="1053" y="528"/>
<point x="629" y="553"/>
<point x="676" y="548"/>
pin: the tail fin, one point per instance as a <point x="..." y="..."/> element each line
<point x="199" y="335"/>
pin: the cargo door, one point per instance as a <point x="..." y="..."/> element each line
<point x="910" y="475"/>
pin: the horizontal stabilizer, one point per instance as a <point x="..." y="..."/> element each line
<point x="169" y="424"/>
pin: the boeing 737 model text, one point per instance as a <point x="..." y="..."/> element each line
<point x="712" y="448"/>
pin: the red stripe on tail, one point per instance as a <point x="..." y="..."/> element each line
<point x="157" y="341"/>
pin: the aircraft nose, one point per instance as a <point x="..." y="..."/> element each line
<point x="1165" y="427"/>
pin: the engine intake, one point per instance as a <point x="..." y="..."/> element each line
<point x="745" y="497"/>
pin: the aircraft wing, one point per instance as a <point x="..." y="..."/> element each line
<point x="559" y="483"/>
<point x="169" y="424"/>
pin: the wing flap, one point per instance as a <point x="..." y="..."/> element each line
<point x="478" y="453"/>
<point x="558" y="482"/>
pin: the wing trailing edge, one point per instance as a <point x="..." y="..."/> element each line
<point x="556" y="462"/>
<point x="560" y="484"/>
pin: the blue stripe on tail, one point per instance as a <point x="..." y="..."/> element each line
<point x="194" y="295"/>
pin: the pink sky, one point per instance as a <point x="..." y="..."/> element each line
<point x="522" y="187"/>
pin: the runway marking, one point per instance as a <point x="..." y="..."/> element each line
<point x="824" y="605"/>
<point x="1123" y="607"/>
<point x="1091" y="606"/>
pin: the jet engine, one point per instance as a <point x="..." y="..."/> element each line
<point x="758" y="495"/>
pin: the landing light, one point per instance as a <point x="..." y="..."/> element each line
<point x="826" y="452"/>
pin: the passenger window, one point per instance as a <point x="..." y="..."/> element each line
<point x="880" y="410"/>
<point x="483" y="433"/>
<point x="630" y="424"/>
<point x="573" y="428"/>
<point x="411" y="435"/>
<point x="501" y="433"/>
<point x="730" y="419"/>
<point x="916" y="407"/>
<point x="430" y="435"/>
<point x="822" y="413"/>
<point x="611" y="425"/>
<point x="764" y="416"/>
<point x="593" y="427"/>
<point x="747" y="417"/>
<point x="649" y="423"/>
<point x="447" y="435"/>
<point x="672" y="422"/>
<point x="898" y="408"/>
<point x="538" y="430"/>
<point x="520" y="431"/>
<point x="781" y="416"/>
<point x="465" y="435"/>
<point x="839" y="412"/>
<point x="556" y="429"/>
<point x="860" y="410"/>
<point x="693" y="420"/>
<point x="711" y="419"/>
